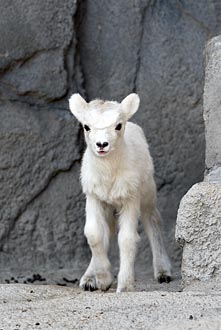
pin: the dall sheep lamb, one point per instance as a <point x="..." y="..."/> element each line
<point x="117" y="178"/>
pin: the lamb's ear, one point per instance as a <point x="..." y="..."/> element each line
<point x="130" y="105"/>
<point x="78" y="106"/>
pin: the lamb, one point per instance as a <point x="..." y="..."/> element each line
<point x="117" y="179"/>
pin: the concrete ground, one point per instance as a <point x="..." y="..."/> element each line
<point x="152" y="306"/>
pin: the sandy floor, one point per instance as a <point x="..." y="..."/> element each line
<point x="152" y="306"/>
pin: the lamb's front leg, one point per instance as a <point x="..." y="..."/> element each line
<point x="98" y="275"/>
<point x="127" y="240"/>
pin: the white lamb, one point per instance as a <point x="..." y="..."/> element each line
<point x="117" y="178"/>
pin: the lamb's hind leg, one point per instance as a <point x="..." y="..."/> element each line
<point x="98" y="274"/>
<point x="161" y="263"/>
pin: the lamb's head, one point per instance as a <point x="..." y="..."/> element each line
<point x="103" y="121"/>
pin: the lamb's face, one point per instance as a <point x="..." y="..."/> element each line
<point x="103" y="121"/>
<point x="103" y="128"/>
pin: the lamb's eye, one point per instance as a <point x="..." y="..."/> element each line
<point x="118" y="127"/>
<point x="87" y="128"/>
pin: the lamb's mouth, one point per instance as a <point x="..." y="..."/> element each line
<point x="102" y="152"/>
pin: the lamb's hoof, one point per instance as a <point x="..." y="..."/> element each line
<point x="89" y="287"/>
<point x="88" y="283"/>
<point x="104" y="281"/>
<point x="164" y="278"/>
<point x="101" y="281"/>
<point x="128" y="288"/>
<point x="125" y="281"/>
<point x="125" y="284"/>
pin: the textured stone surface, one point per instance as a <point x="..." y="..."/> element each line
<point x="35" y="39"/>
<point x="199" y="231"/>
<point x="212" y="100"/>
<point x="41" y="205"/>
<point x="198" y="227"/>
<point x="50" y="49"/>
<point x="50" y="307"/>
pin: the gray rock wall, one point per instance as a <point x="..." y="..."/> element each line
<point x="212" y="112"/>
<point x="50" y="49"/>
<point x="199" y="232"/>
<point x="198" y="227"/>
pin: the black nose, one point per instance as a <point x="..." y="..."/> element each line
<point x="102" y="145"/>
